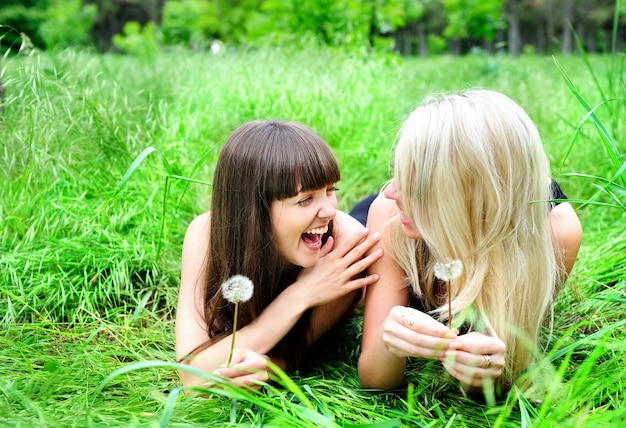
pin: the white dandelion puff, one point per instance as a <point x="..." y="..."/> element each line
<point x="237" y="288"/>
<point x="449" y="270"/>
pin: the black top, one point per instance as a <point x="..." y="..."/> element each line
<point x="361" y="209"/>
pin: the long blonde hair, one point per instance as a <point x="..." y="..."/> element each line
<point x="473" y="178"/>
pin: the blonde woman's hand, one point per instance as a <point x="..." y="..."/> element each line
<point x="474" y="358"/>
<point x="340" y="268"/>
<point x="408" y="332"/>
<point x="248" y="369"/>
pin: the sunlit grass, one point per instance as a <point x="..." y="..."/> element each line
<point x="89" y="269"/>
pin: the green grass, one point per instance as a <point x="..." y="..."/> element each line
<point x="89" y="270"/>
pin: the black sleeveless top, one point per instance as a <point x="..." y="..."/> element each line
<point x="361" y="209"/>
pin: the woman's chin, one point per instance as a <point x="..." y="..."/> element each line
<point x="409" y="232"/>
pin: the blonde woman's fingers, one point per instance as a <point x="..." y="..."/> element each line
<point x="420" y="322"/>
<point x="473" y="368"/>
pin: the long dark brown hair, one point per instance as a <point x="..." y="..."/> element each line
<point x="261" y="162"/>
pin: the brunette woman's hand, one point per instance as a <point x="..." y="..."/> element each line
<point x="340" y="269"/>
<point x="408" y="332"/>
<point x="248" y="369"/>
<point x="474" y="357"/>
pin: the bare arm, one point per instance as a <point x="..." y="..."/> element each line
<point x="392" y="331"/>
<point x="567" y="234"/>
<point x="329" y="280"/>
<point x="378" y="366"/>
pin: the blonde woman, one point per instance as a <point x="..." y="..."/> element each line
<point x="472" y="184"/>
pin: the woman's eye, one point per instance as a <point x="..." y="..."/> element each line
<point x="305" y="201"/>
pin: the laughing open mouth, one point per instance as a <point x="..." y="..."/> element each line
<point x="313" y="237"/>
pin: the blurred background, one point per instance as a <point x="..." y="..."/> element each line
<point x="409" y="27"/>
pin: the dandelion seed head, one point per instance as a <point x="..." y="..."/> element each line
<point x="449" y="270"/>
<point x="237" y="288"/>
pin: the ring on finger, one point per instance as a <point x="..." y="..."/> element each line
<point x="488" y="360"/>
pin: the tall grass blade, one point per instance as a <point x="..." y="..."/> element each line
<point x="609" y="144"/>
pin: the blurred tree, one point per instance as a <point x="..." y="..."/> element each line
<point x="473" y="22"/>
<point x="424" y="19"/>
<point x="21" y="16"/>
<point x="600" y="18"/>
<point x="137" y="40"/>
<point x="235" y="17"/>
<point x="331" y="22"/>
<point x="114" y="14"/>
<point x="514" y="8"/>
<point x="189" y="22"/>
<point x="416" y="25"/>
<point x="68" y="23"/>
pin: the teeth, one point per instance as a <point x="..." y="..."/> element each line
<point x="318" y="230"/>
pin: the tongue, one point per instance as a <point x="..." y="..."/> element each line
<point x="312" y="241"/>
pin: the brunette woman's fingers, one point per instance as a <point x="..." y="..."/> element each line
<point x="360" y="265"/>
<point x="252" y="381"/>
<point x="248" y="377"/>
<point x="351" y="243"/>
<point x="248" y="369"/>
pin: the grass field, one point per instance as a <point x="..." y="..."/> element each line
<point x="89" y="269"/>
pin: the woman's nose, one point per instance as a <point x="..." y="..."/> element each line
<point x="328" y="209"/>
<point x="391" y="191"/>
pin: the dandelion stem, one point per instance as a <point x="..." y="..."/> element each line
<point x="232" y="343"/>
<point x="449" y="306"/>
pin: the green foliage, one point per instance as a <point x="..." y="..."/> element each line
<point x="414" y="10"/>
<point x="477" y="19"/>
<point x="261" y="22"/>
<point x="337" y="23"/>
<point x="21" y="17"/>
<point x="436" y="45"/>
<point x="68" y="23"/>
<point x="327" y="22"/>
<point x="189" y="22"/>
<point x="138" y="41"/>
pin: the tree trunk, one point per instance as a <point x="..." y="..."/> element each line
<point x="515" y="39"/>
<point x="593" y="42"/>
<point x="422" y="42"/>
<point x="568" y="17"/>
<point x="550" y="32"/>
<point x="541" y="37"/>
<point x="406" y="41"/>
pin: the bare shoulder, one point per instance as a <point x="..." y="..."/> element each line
<point x="190" y="324"/>
<point x="381" y="210"/>
<point x="345" y="225"/>
<point x="195" y="250"/>
<point x="199" y="226"/>
<point x="566" y="225"/>
<point x="567" y="232"/>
